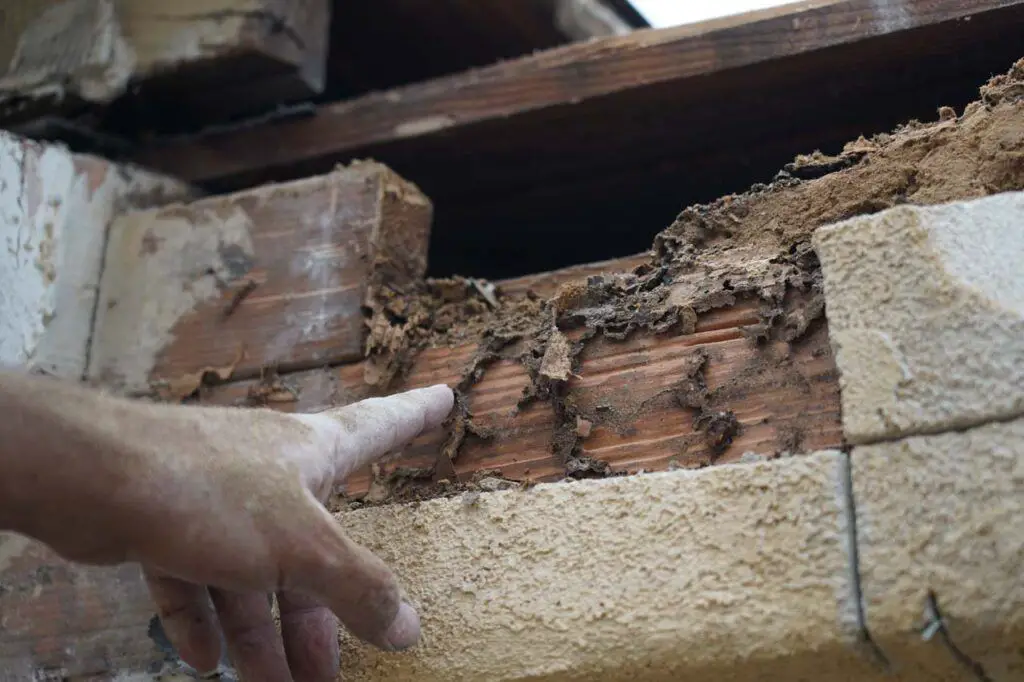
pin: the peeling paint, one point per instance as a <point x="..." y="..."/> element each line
<point x="160" y="265"/>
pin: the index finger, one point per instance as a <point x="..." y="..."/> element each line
<point x="374" y="427"/>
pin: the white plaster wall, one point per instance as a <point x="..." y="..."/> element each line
<point x="55" y="208"/>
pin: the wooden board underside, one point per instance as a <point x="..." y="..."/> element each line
<point x="387" y="43"/>
<point x="573" y="74"/>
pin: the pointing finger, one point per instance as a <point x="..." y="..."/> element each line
<point x="357" y="586"/>
<point x="375" y="427"/>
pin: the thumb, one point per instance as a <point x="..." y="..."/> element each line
<point x="354" y="583"/>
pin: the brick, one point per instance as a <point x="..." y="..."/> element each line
<point x="944" y="514"/>
<point x="926" y="312"/>
<point x="55" y="209"/>
<point x="735" y="572"/>
<point x="270" y="277"/>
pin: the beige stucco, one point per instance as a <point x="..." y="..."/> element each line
<point x="736" y="570"/>
<point x="945" y="514"/>
<point x="926" y="314"/>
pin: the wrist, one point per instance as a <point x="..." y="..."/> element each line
<point x="62" y="468"/>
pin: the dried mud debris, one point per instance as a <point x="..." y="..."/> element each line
<point x="270" y="390"/>
<point x="414" y="484"/>
<point x="750" y="246"/>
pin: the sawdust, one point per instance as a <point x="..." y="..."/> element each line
<point x="750" y="246"/>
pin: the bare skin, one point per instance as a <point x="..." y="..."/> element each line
<point x="221" y="507"/>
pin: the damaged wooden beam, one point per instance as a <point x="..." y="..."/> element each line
<point x="203" y="60"/>
<point x="649" y="403"/>
<point x="712" y="346"/>
<point x="647" y="375"/>
<point x="271" y="278"/>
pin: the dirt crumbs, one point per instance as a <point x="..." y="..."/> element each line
<point x="745" y="247"/>
<point x="409" y="484"/>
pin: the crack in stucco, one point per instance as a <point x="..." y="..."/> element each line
<point x="936" y="626"/>
<point x="866" y="642"/>
<point x="23" y="213"/>
<point x="953" y="426"/>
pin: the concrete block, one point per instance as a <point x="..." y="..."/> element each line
<point x="55" y="208"/>
<point x="736" y="572"/>
<point x="943" y="516"/>
<point x="926" y="313"/>
<point x="272" y="277"/>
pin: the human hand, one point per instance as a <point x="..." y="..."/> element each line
<point x="238" y="514"/>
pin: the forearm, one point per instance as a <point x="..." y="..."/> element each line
<point x="64" y="463"/>
<point x="96" y="476"/>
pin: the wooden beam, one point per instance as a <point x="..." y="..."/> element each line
<point x="579" y="83"/>
<point x="767" y="400"/>
<point x="626" y="395"/>
<point x="711" y="347"/>
<point x="204" y="59"/>
<point x="615" y="136"/>
<point x="271" y="277"/>
<point x="66" y="621"/>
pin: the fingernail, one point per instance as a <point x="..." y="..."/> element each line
<point x="404" y="632"/>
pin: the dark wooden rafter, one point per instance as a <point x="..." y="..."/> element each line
<point x="615" y="135"/>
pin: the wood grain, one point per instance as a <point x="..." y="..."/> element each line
<point x="786" y="399"/>
<point x="272" y="277"/>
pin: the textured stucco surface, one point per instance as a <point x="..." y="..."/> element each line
<point x="722" y="570"/>
<point x="945" y="514"/>
<point x="926" y="313"/>
<point x="55" y="208"/>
